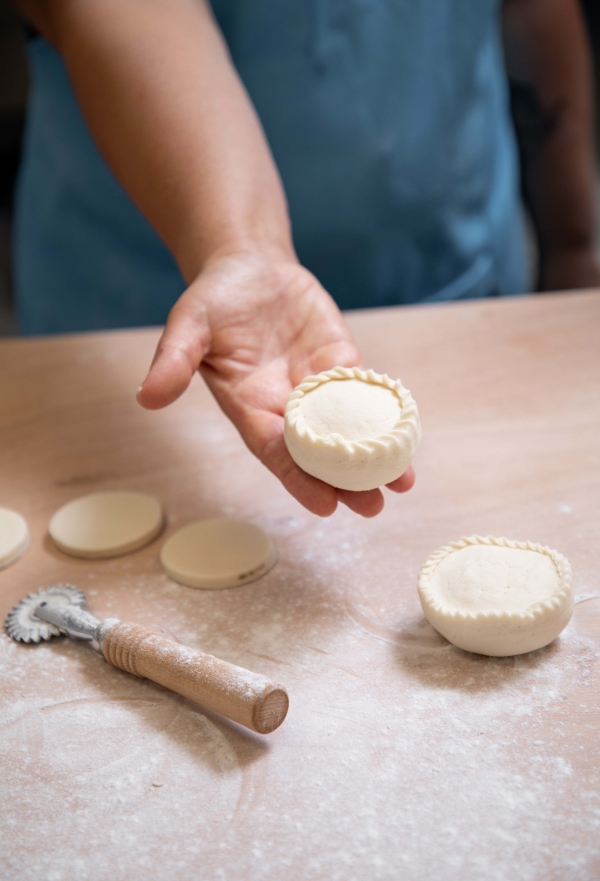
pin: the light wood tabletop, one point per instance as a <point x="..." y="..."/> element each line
<point x="401" y="757"/>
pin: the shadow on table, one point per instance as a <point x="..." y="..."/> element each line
<point x="425" y="655"/>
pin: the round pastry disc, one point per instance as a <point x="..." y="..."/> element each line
<point x="106" y="524"/>
<point x="14" y="536"/>
<point x="214" y="554"/>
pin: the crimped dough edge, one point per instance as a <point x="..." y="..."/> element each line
<point x="405" y="435"/>
<point x="561" y="599"/>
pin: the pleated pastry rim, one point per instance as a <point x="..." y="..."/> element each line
<point x="560" y="599"/>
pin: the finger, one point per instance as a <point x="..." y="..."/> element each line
<point x="261" y="428"/>
<point x="404" y="483"/>
<point x="367" y="504"/>
<point x="318" y="497"/>
<point x="184" y="343"/>
<point x="263" y="433"/>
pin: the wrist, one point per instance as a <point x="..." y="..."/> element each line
<point x="196" y="260"/>
<point x="569" y="267"/>
<point x="202" y="241"/>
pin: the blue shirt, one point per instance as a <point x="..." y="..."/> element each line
<point x="388" y="121"/>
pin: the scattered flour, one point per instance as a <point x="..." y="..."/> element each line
<point x="402" y="758"/>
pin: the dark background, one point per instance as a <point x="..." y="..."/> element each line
<point x="13" y="97"/>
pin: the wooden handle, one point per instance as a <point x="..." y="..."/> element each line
<point x="234" y="692"/>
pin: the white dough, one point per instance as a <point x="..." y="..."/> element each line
<point x="353" y="429"/>
<point x="14" y="536"/>
<point x="218" y="553"/>
<point x="497" y="597"/>
<point x="106" y="524"/>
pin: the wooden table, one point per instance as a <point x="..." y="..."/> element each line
<point x="401" y="758"/>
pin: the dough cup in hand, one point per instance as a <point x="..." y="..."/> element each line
<point x="494" y="596"/>
<point x="354" y="429"/>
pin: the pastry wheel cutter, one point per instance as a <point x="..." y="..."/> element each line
<point x="245" y="697"/>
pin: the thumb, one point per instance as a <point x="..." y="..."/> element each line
<point x="184" y="343"/>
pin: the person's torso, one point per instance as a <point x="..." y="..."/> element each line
<point x="388" y="121"/>
<point x="389" y="124"/>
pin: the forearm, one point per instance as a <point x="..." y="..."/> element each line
<point x="170" y="115"/>
<point x="166" y="107"/>
<point x="547" y="49"/>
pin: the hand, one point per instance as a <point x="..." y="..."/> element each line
<point x="567" y="269"/>
<point x="255" y="326"/>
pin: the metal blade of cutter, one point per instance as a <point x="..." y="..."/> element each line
<point x="23" y="624"/>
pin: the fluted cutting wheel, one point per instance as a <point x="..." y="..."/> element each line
<point x="23" y="625"/>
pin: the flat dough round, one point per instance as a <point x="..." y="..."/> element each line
<point x="14" y="536"/>
<point x="214" y="554"/>
<point x="494" y="596"/>
<point x="106" y="524"/>
<point x="354" y="429"/>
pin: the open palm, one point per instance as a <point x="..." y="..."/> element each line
<point x="255" y="327"/>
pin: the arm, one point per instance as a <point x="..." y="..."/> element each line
<point x="548" y="56"/>
<point x="172" y="119"/>
<point x="169" y="113"/>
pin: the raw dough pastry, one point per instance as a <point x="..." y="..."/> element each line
<point x="218" y="553"/>
<point x="106" y="524"/>
<point x="497" y="597"/>
<point x="354" y="429"/>
<point x="14" y="536"/>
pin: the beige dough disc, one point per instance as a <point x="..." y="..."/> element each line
<point x="495" y="596"/>
<point x="354" y="429"/>
<point x="14" y="536"/>
<point x="106" y="524"/>
<point x="218" y="553"/>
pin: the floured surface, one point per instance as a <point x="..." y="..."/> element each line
<point x="431" y="757"/>
<point x="401" y="757"/>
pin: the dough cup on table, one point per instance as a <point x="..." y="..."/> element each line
<point x="354" y="429"/>
<point x="498" y="597"/>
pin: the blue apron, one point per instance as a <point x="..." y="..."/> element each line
<point x="388" y="121"/>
